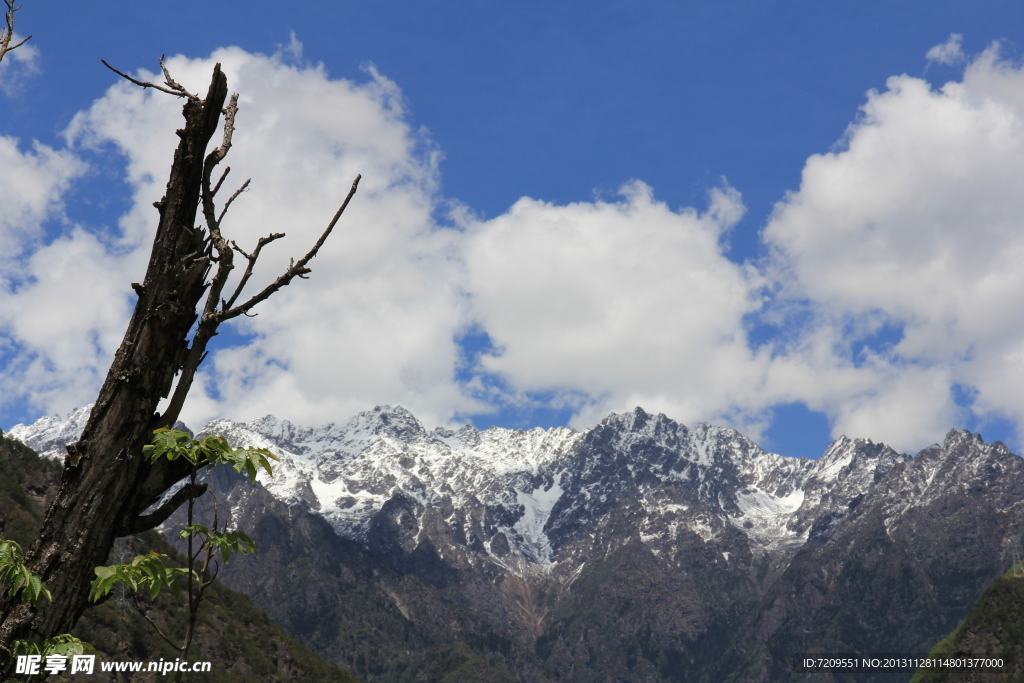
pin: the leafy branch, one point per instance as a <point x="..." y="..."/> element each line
<point x="144" y="573"/>
<point x="64" y="645"/>
<point x="208" y="451"/>
<point x="26" y="582"/>
<point x="21" y="578"/>
<point x="149" y="573"/>
<point x="226" y="543"/>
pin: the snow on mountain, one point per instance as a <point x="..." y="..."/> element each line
<point x="349" y="472"/>
<point x="536" y="489"/>
<point x="688" y="544"/>
<point x="49" y="435"/>
<point x="718" y="475"/>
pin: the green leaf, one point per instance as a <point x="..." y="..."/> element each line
<point x="210" y="450"/>
<point x="10" y="553"/>
<point x="24" y="647"/>
<point x="20" y="577"/>
<point x="193" y="530"/>
<point x="34" y="588"/>
<point x="67" y="645"/>
<point x="244" y="538"/>
<point x="229" y="542"/>
<point x="145" y="572"/>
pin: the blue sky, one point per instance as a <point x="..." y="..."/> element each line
<point x="578" y="207"/>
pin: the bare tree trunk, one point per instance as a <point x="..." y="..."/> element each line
<point x="106" y="483"/>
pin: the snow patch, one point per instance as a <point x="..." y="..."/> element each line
<point x="765" y="518"/>
<point x="537" y="507"/>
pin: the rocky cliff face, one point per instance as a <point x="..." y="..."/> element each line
<point x="901" y="569"/>
<point x="638" y="550"/>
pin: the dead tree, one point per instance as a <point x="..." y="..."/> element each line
<point x="7" y="33"/>
<point x="107" y="487"/>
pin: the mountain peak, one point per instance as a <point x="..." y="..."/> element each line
<point x="50" y="434"/>
<point x="637" y="420"/>
<point x="958" y="436"/>
<point x="394" y="421"/>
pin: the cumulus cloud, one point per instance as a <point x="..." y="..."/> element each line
<point x="628" y="303"/>
<point x="915" y="224"/>
<point x="377" y="319"/>
<point x="64" y="323"/>
<point x="893" y="277"/>
<point x="32" y="183"/>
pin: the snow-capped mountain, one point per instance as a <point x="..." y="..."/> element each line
<point x="539" y="488"/>
<point x="690" y="547"/>
<point x="347" y="473"/>
<point x="50" y="434"/>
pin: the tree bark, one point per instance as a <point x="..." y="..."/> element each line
<point x="106" y="484"/>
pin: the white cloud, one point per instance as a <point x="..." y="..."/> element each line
<point x="66" y="322"/>
<point x="950" y="52"/>
<point x="293" y="50"/>
<point x="628" y="303"/>
<point x="917" y="223"/>
<point x="18" y="66"/>
<point x="32" y="183"/>
<point x="376" y="320"/>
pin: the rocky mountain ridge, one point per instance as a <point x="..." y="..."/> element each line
<point x="539" y="487"/>
<point x="705" y="548"/>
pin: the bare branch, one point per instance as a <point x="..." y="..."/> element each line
<point x="208" y="328"/>
<point x="224" y="252"/>
<point x="210" y="163"/>
<point x="8" y="33"/>
<point x="252" y="261"/>
<point x="215" y="157"/>
<point x="227" y="204"/>
<point x="147" y="84"/>
<point x="297" y="269"/>
<point x="157" y="517"/>
<point x="211" y="318"/>
<point x="138" y="606"/>
<point x="216" y="188"/>
<point x="15" y="46"/>
<point x="174" y="85"/>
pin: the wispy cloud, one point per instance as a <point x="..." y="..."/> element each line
<point x="18" y="66"/>
<point x="949" y="53"/>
